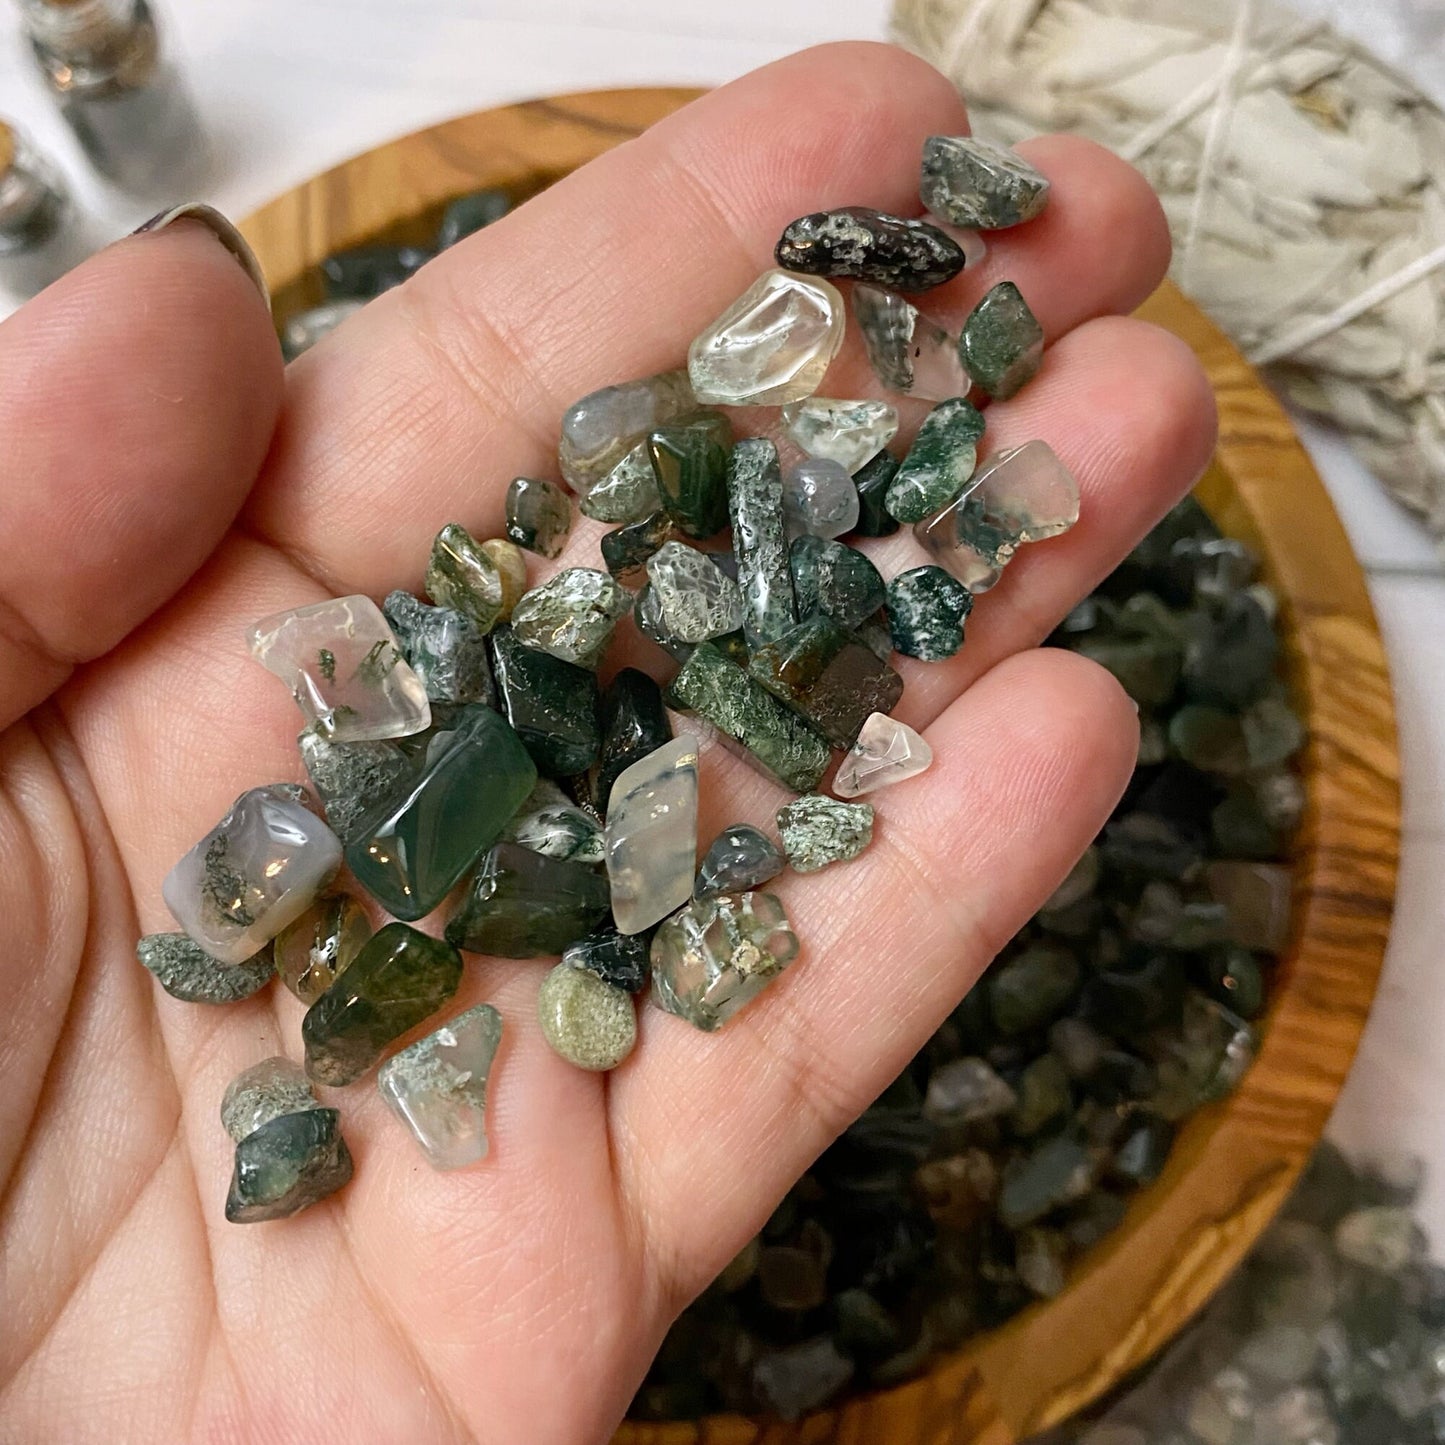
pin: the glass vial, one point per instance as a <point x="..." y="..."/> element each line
<point x="127" y="105"/>
<point x="40" y="237"/>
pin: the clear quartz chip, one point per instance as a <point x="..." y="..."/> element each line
<point x="887" y="751"/>
<point x="438" y="1087"/>
<point x="652" y="835"/>
<point x="345" y="670"/>
<point x="909" y="352"/>
<point x="850" y="433"/>
<point x="772" y="345"/>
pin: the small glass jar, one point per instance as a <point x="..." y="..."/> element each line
<point x="103" y="61"/>
<point x="40" y="235"/>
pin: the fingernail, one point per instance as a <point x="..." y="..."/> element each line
<point x="221" y="228"/>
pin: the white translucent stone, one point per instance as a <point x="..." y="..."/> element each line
<point x="910" y="353"/>
<point x="887" y="751"/>
<point x="850" y="433"/>
<point x="438" y="1087"/>
<point x="819" y="498"/>
<point x="697" y="599"/>
<point x="257" y="870"/>
<point x="772" y="345"/>
<point x="652" y="835"/>
<point x="1022" y="495"/>
<point x="599" y="429"/>
<point x="345" y="670"/>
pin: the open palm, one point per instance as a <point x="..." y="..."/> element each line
<point x="164" y="484"/>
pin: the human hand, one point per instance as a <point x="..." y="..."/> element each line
<point x="164" y="487"/>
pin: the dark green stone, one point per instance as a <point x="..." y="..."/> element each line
<point x="1241" y="830"/>
<point x="1044" y="1094"/>
<point x="830" y="677"/>
<point x="1147" y="670"/>
<point x="1059" y="1171"/>
<point x="873" y="481"/>
<point x="1031" y="989"/>
<point x="1231" y="660"/>
<point x="740" y="859"/>
<point x="539" y="515"/>
<point x="634" y="723"/>
<point x="835" y="580"/>
<point x="552" y="705"/>
<point x="926" y="612"/>
<point x="625" y="550"/>
<point x="187" y="972"/>
<point x="1002" y="344"/>
<point x="1209" y="738"/>
<point x="400" y="977"/>
<point x="1128" y="1003"/>
<point x="367" y="271"/>
<point x="1234" y="977"/>
<point x="523" y="905"/>
<point x="350" y="777"/>
<point x="818" y="830"/>
<point x="939" y="463"/>
<point x="717" y="689"/>
<point x="1141" y="1156"/>
<point x="287" y="1165"/>
<point x="620" y="959"/>
<point x="760" y="544"/>
<point x="468" y="214"/>
<point x="416" y="844"/>
<point x="689" y="460"/>
<point x="445" y="649"/>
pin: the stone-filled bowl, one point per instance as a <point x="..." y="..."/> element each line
<point x="1235" y="1161"/>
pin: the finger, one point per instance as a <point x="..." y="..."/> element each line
<point x="1027" y="767"/>
<point x="140" y="396"/>
<point x="426" y="404"/>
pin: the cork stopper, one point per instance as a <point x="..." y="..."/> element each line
<point x="7" y="147"/>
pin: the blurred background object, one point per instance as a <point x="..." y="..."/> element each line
<point x="41" y="234"/>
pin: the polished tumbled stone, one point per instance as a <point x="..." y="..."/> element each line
<point x="939" y="463"/>
<point x="829" y="676"/>
<point x="264" y="1092"/>
<point x="589" y="1022"/>
<point x="445" y="649"/>
<point x="716" y="954"/>
<point x="461" y="576"/>
<point x="617" y="958"/>
<point x="628" y="493"/>
<point x="599" y="429"/>
<point x="572" y="615"/>
<point x="511" y="564"/>
<point x="252" y="874"/>
<point x="978" y="185"/>
<point x="857" y="243"/>
<point x="523" y="905"/>
<point x="1023" y="495"/>
<point x="652" y="835"/>
<point x="415" y="845"/>
<point x="647" y="614"/>
<point x="908" y="351"/>
<point x="437" y="1087"/>
<point x="697" y="599"/>
<point x="740" y="859"/>
<point x="760" y="543"/>
<point x="552" y="705"/>
<point x="634" y="724"/>
<point x="626" y="549"/>
<point x="539" y="515"/>
<point x="398" y="979"/>
<point x="819" y="499"/>
<point x="1002" y="343"/>
<point x="887" y="751"/>
<point x="817" y="830"/>
<point x="287" y="1165"/>
<point x="772" y="345"/>
<point x="926" y="613"/>
<point x="850" y="433"/>
<point x="344" y="668"/>
<point x="835" y="580"/>
<point x="319" y="945"/>
<point x="187" y="972"/>
<point x="350" y="777"/>
<point x="556" y="827"/>
<point x="717" y="689"/>
<point x="873" y="481"/>
<point x="468" y="214"/>
<point x="689" y="459"/>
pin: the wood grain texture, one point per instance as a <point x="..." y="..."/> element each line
<point x="1235" y="1162"/>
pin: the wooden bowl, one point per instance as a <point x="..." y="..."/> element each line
<point x="1235" y="1161"/>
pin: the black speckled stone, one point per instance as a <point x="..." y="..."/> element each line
<point x="861" y="244"/>
<point x="617" y="958"/>
<point x="287" y="1165"/>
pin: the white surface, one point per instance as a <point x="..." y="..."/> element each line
<point x="291" y="88"/>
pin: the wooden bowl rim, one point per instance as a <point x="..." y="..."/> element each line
<point x="1234" y="1162"/>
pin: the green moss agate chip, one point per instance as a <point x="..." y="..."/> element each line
<point x="1002" y="344"/>
<point x="287" y="1165"/>
<point x="187" y="972"/>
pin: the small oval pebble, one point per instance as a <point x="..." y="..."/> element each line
<point x="590" y="1023"/>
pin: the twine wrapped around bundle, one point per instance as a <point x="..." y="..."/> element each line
<point x="1304" y="183"/>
